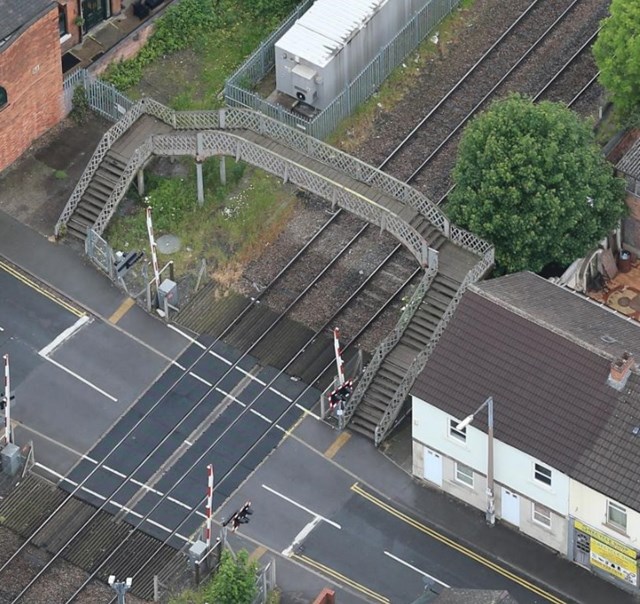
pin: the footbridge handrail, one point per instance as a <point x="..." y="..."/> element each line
<point x="203" y="144"/>
<point x="106" y="142"/>
<point x="419" y="362"/>
<point x="388" y="344"/>
<point x="245" y="119"/>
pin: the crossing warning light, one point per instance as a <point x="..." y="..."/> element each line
<point x="339" y="396"/>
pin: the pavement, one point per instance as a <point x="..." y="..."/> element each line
<point x="30" y="208"/>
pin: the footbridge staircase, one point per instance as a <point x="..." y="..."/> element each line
<point x="451" y="257"/>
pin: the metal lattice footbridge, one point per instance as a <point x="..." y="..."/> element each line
<point x="451" y="257"/>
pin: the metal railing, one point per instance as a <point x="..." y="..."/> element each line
<point x="388" y="344"/>
<point x="237" y="88"/>
<point x="393" y="408"/>
<point x="232" y="119"/>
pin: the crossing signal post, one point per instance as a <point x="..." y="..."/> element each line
<point x="5" y="402"/>
<point x="339" y="396"/>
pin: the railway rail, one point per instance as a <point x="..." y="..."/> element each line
<point x="81" y="529"/>
<point x="519" y="60"/>
<point x="292" y="290"/>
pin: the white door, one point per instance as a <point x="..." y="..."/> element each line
<point x="510" y="507"/>
<point x="433" y="466"/>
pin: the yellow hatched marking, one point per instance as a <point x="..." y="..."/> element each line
<point x="257" y="553"/>
<point x="338" y="443"/>
<point x="35" y="286"/>
<point x="122" y="310"/>
<point x="452" y="544"/>
<point x="340" y="577"/>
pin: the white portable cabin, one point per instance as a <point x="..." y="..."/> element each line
<point x="333" y="42"/>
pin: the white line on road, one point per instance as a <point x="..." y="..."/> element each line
<point x="200" y="379"/>
<point x="65" y="335"/>
<point x="80" y="378"/>
<point x="298" y="505"/>
<point x="301" y="536"/>
<point x="421" y="572"/>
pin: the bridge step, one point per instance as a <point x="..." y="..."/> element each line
<point x="415" y="338"/>
<point x="96" y="194"/>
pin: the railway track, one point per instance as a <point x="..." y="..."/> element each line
<point x="371" y="291"/>
<point x="86" y="531"/>
<point x="525" y="58"/>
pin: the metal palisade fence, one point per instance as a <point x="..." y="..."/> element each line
<point x="238" y="91"/>
<point x="103" y="98"/>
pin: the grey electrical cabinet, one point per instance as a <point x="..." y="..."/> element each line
<point x="333" y="42"/>
<point x="168" y="290"/>
<point x="11" y="459"/>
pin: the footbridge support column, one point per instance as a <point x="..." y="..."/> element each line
<point x="223" y="170"/>
<point x="140" y="181"/>
<point x="199" y="162"/>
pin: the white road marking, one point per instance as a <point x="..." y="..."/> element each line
<point x="300" y="537"/>
<point x="421" y="572"/>
<point x="116" y="504"/>
<point x="178" y="365"/>
<point x="186" y="336"/>
<point x="81" y="379"/>
<point x="65" y="335"/>
<point x="300" y="506"/>
<point x="201" y="379"/>
<point x="264" y="417"/>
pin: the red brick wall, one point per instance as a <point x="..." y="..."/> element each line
<point x="31" y="73"/>
<point x="327" y="596"/>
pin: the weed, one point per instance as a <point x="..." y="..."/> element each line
<point x="60" y="175"/>
<point x="80" y="103"/>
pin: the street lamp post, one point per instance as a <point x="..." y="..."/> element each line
<point x="491" y="508"/>
<point x="120" y="587"/>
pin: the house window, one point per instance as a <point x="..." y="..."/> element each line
<point x="464" y="474"/>
<point x="62" y="21"/>
<point x="616" y="515"/>
<point x="541" y="515"/>
<point x="4" y="99"/>
<point x="542" y="474"/>
<point x="460" y="435"/>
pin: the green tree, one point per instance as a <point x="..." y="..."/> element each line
<point x="617" y="53"/>
<point x="531" y="180"/>
<point x="234" y="581"/>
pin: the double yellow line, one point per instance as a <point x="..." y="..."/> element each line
<point x="456" y="546"/>
<point x="37" y="287"/>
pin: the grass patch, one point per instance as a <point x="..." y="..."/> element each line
<point x="235" y="221"/>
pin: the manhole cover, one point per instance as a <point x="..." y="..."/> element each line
<point x="168" y="244"/>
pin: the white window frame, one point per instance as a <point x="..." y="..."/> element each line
<point x="541" y="470"/>
<point x="467" y="481"/>
<point x="539" y="513"/>
<point x="618" y="508"/>
<point x="458" y="435"/>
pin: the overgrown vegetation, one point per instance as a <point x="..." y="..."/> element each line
<point x="616" y="50"/>
<point x="212" y="27"/>
<point x="531" y="179"/>
<point x="233" y="583"/>
<point x="231" y="223"/>
<point x="80" y="105"/>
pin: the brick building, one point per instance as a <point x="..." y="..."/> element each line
<point x="30" y="74"/>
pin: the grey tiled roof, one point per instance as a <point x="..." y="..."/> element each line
<point x="537" y="349"/>
<point x="630" y="162"/>
<point x="14" y="14"/>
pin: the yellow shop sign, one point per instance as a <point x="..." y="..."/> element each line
<point x="613" y="562"/>
<point x="610" y="541"/>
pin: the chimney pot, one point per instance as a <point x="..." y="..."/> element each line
<point x="620" y="370"/>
